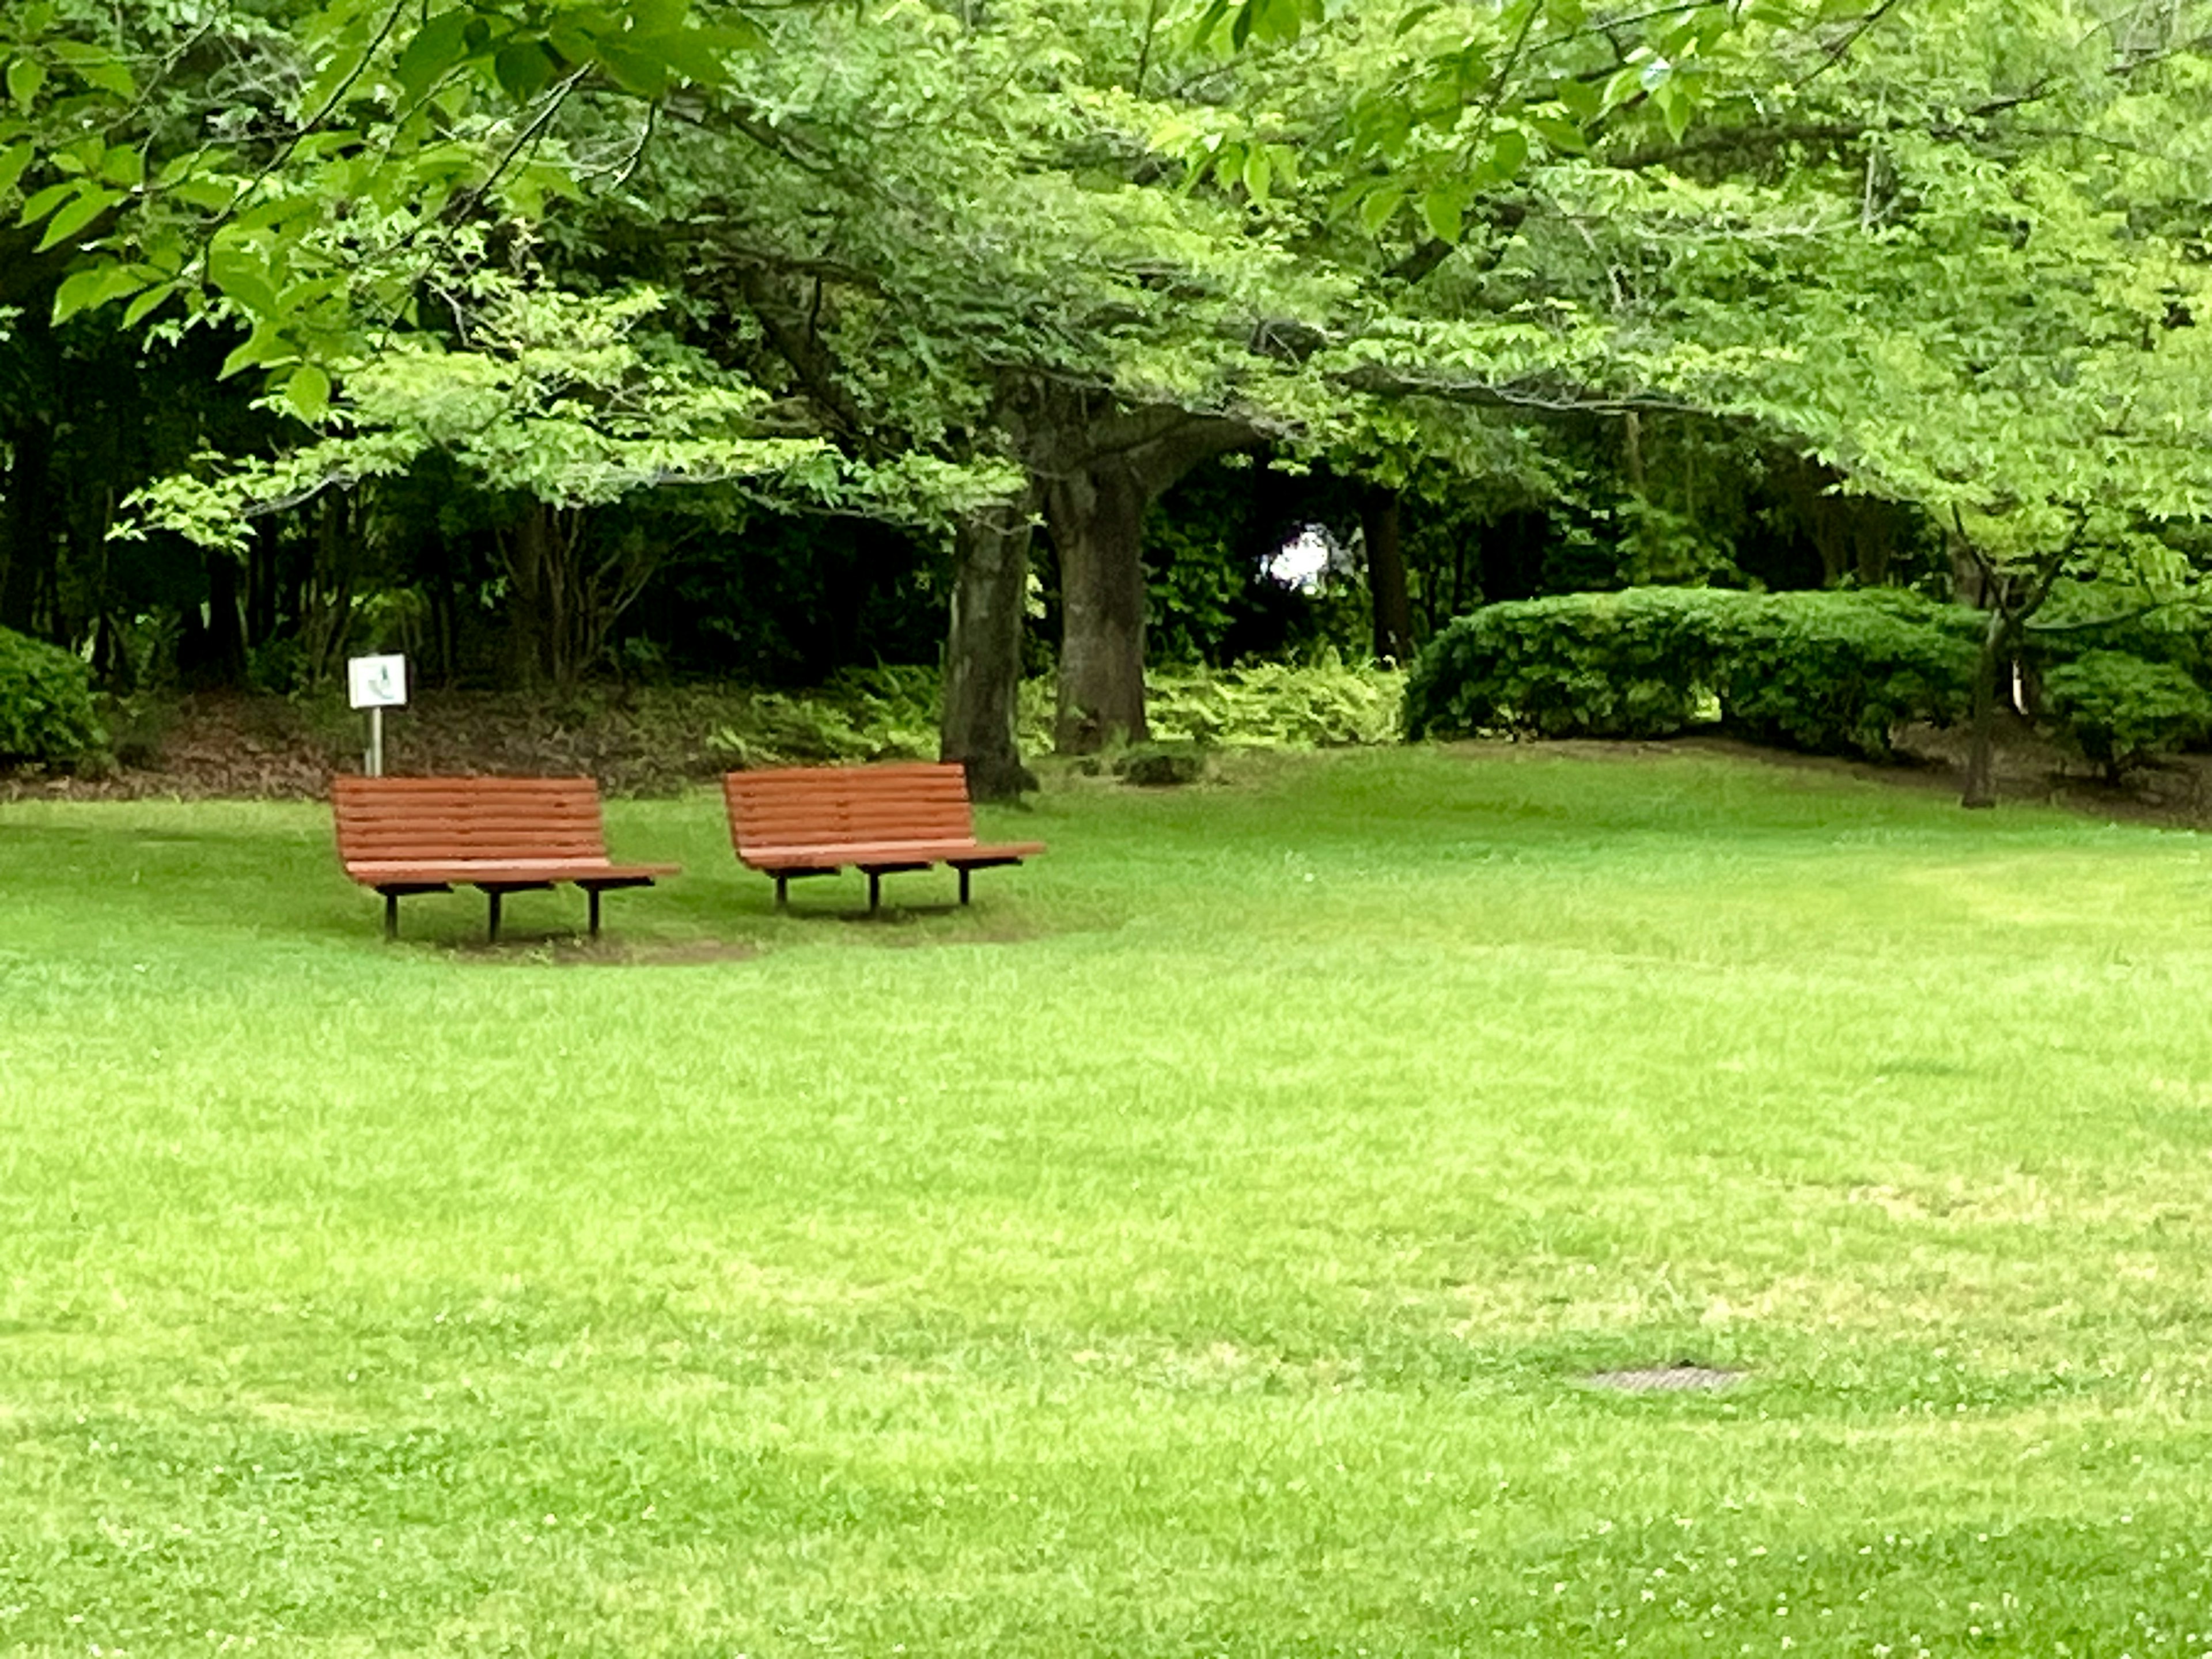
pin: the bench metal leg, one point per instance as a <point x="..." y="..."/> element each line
<point x="392" y="916"/>
<point x="495" y="895"/>
<point x="594" y="892"/>
<point x="964" y="884"/>
<point x="783" y="892"/>
<point x="875" y="892"/>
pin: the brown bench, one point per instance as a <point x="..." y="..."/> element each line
<point x="501" y="836"/>
<point x="791" y="822"/>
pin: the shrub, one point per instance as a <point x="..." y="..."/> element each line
<point x="861" y="715"/>
<point x="1275" y="705"/>
<point x="47" y="715"/>
<point x="2121" y="711"/>
<point x="891" y="713"/>
<point x="1627" y="665"/>
<point x="1833" y="672"/>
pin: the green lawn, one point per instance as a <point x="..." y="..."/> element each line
<point x="1197" y="1248"/>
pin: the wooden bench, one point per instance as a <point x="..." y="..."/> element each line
<point x="501" y="836"/>
<point x="791" y="822"/>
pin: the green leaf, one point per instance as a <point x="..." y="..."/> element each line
<point x="1258" y="172"/>
<point x="308" y="392"/>
<point x="1381" y="205"/>
<point x="90" y="203"/>
<point x="25" y="77"/>
<point x="12" y="163"/>
<point x="266" y="345"/>
<point x="96" y="66"/>
<point x="45" y="201"/>
<point x="644" y="73"/>
<point x="85" y="289"/>
<point x="1509" y="153"/>
<point x="695" y="54"/>
<point x="524" y="69"/>
<point x="1564" y="136"/>
<point x="209" y="195"/>
<point x="438" y="46"/>
<point x="1440" y="211"/>
<point x="124" y="165"/>
<point x="242" y="278"/>
<point x="1583" y="100"/>
<point x="333" y="74"/>
<point x="657" y="16"/>
<point x="147" y="303"/>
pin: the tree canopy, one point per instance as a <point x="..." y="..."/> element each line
<point x="973" y="269"/>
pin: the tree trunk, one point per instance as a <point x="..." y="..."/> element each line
<point x="539" y="554"/>
<point x="1099" y="474"/>
<point x="1098" y="521"/>
<point x="224" y="664"/>
<point x="1380" y="525"/>
<point x="982" y="713"/>
<point x="1981" y="746"/>
<point x="26" y="534"/>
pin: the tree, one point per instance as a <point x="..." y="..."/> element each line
<point x="1978" y="291"/>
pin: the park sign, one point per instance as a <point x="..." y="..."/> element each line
<point x="378" y="682"/>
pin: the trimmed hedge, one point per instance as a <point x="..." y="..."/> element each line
<point x="2120" y="711"/>
<point x="1833" y="673"/>
<point x="47" y="715"/>
<point x="1838" y="673"/>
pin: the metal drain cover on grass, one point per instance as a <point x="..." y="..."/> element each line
<point x="1679" y="1378"/>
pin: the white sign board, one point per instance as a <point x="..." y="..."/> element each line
<point x="378" y="682"/>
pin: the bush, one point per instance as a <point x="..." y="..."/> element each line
<point x="1834" y="674"/>
<point x="47" y="715"/>
<point x="1627" y="665"/>
<point x="862" y="714"/>
<point x="890" y="714"/>
<point x="2121" y="711"/>
<point x="1276" y="705"/>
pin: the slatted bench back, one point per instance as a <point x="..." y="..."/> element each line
<point x="848" y="806"/>
<point x="441" y="820"/>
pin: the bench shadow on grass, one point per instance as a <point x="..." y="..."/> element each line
<point x="902" y="927"/>
<point x="519" y="949"/>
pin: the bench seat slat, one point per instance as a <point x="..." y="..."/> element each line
<point x="827" y="855"/>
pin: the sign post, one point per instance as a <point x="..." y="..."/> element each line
<point x="377" y="683"/>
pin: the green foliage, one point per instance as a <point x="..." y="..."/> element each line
<point x="46" y="714"/>
<point x="2122" y="712"/>
<point x="862" y="714"/>
<point x="1831" y="672"/>
<point x="1276" y="705"/>
<point x="890" y="714"/>
<point x="1627" y="664"/>
<point x="1835" y="673"/>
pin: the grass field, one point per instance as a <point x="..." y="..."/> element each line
<point x="1198" y="1247"/>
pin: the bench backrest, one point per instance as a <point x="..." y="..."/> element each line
<point x="848" y="806"/>
<point x="398" y="820"/>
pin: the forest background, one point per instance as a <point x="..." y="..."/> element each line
<point x="545" y="341"/>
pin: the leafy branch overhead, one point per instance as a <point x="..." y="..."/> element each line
<point x="302" y="174"/>
<point x="557" y="398"/>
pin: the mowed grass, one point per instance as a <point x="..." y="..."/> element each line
<point x="1199" y="1247"/>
